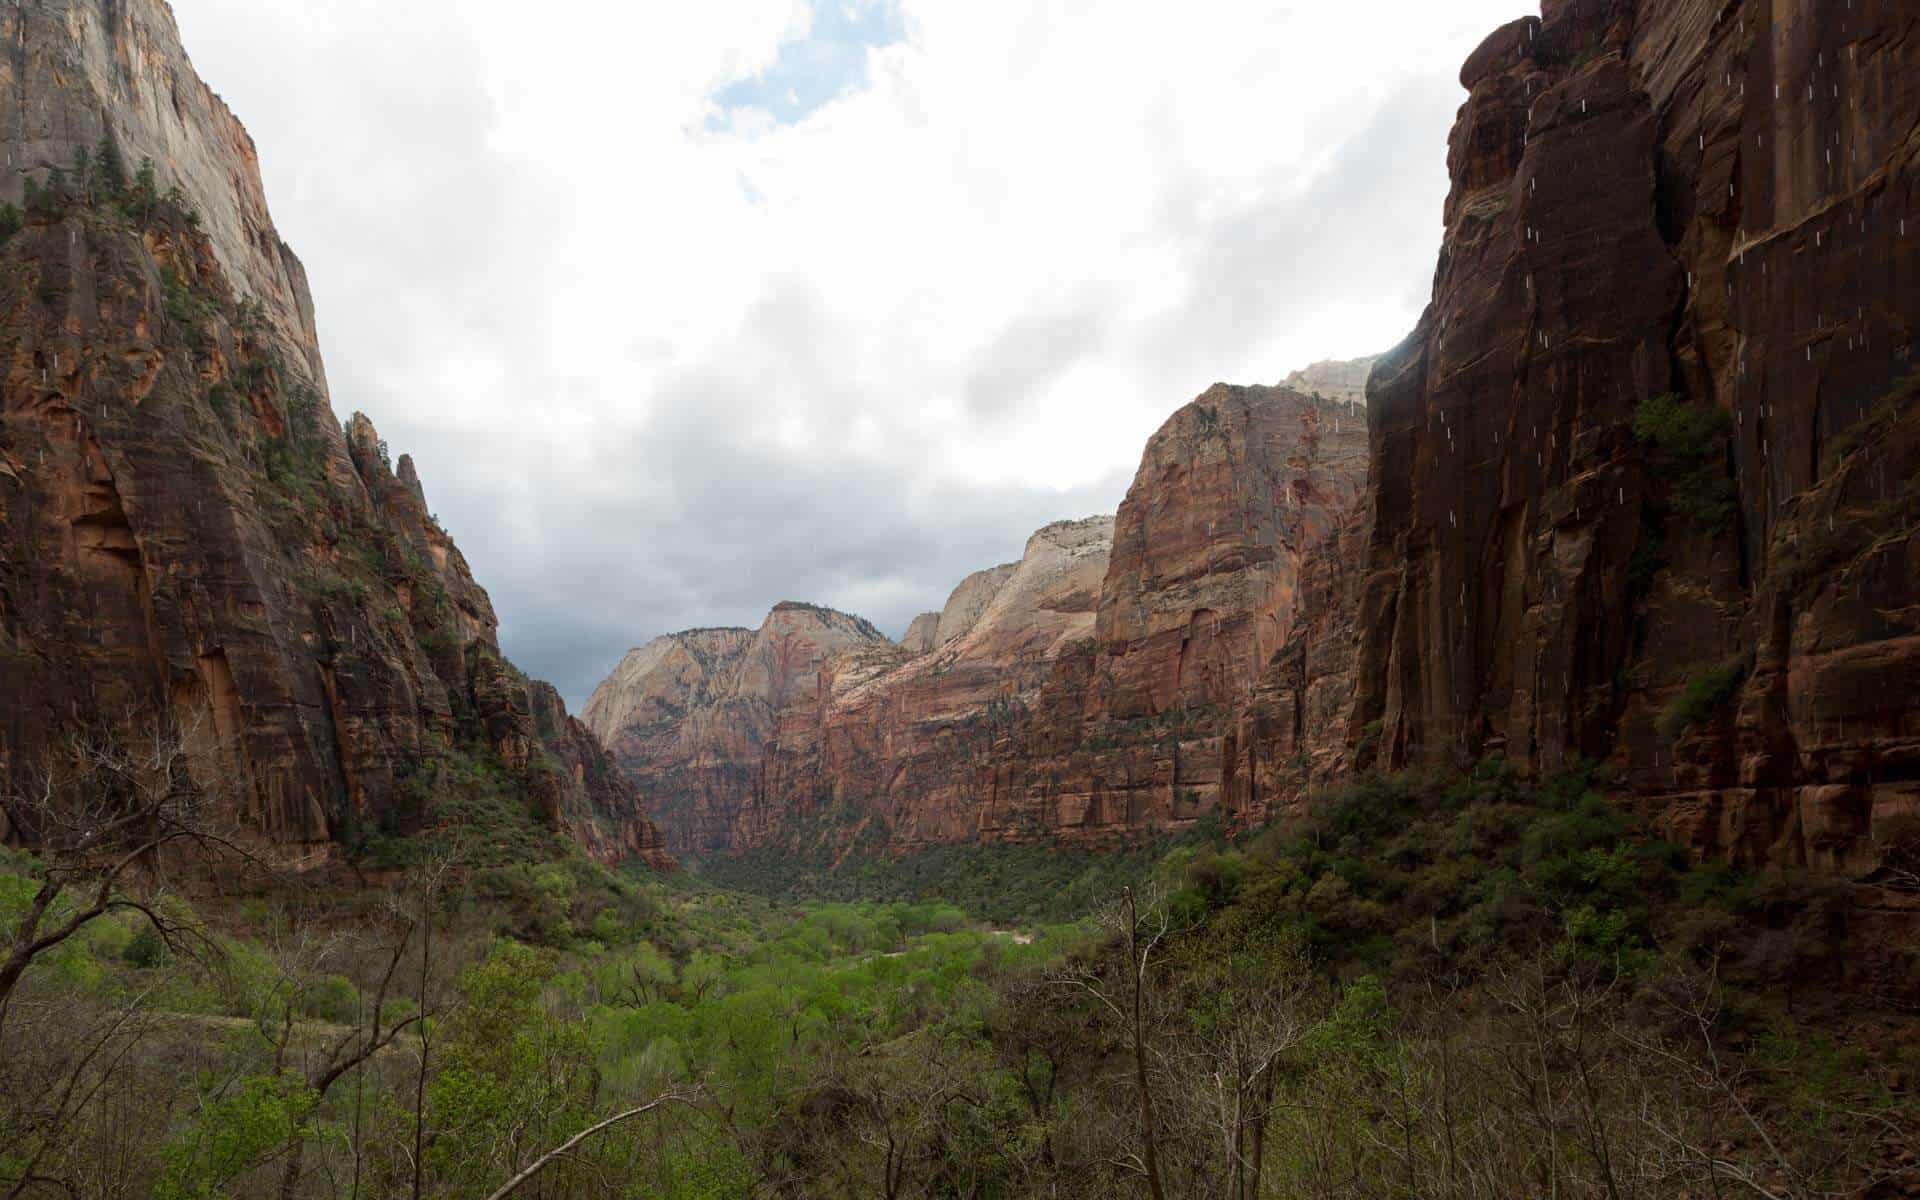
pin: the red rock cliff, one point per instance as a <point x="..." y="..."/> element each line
<point x="1089" y="690"/>
<point x="690" y="717"/>
<point x="185" y="528"/>
<point x="1644" y="479"/>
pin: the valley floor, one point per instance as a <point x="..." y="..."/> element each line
<point x="1420" y="988"/>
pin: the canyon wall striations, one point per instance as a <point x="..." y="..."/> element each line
<point x="188" y="532"/>
<point x="1090" y="690"/>
<point x="1642" y="488"/>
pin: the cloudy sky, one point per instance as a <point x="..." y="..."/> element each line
<point x="688" y="308"/>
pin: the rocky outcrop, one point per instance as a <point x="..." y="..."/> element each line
<point x="188" y="532"/>
<point x="1090" y="690"/>
<point x="689" y="717"/>
<point x="1341" y="380"/>
<point x="595" y="804"/>
<point x="1643" y="487"/>
<point x="922" y="635"/>
<point x="80" y="71"/>
<point x="923" y="750"/>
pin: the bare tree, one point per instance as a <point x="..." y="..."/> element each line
<point x="101" y="817"/>
<point x="429" y="881"/>
<point x="1230" y="1069"/>
<point x="55" y="1082"/>
<point x="321" y="1062"/>
<point x="1138" y="930"/>
<point x="563" y="1149"/>
<point x="1843" y="1151"/>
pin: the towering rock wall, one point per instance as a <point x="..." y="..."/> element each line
<point x="690" y="717"/>
<point x="1644" y="486"/>
<point x="925" y="749"/>
<point x="187" y="532"/>
<point x="77" y="71"/>
<point x="1092" y="689"/>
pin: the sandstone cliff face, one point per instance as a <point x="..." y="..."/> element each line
<point x="922" y="635"/>
<point x="78" y="70"/>
<point x="690" y="717"/>
<point x="1712" y="201"/>
<point x="1089" y="690"/>
<point x="187" y="530"/>
<point x="594" y="803"/>
<point x="1345" y="381"/>
<point x="924" y="750"/>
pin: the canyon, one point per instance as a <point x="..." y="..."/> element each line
<point x="1639" y="490"/>
<point x="1642" y="489"/>
<point x="192" y="541"/>
<point x="1089" y="691"/>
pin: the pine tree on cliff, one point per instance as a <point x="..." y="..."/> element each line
<point x="83" y="174"/>
<point x="109" y="169"/>
<point x="49" y="200"/>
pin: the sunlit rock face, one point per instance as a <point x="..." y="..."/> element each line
<point x="1090" y="690"/>
<point x="690" y="717"/>
<point x="1710" y="200"/>
<point x="185" y="528"/>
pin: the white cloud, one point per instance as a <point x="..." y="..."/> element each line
<point x="663" y="364"/>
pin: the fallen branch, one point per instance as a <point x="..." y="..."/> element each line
<point x="541" y="1163"/>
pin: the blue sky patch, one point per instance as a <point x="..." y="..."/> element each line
<point x="827" y="62"/>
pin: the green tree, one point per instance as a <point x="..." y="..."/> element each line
<point x="144" y="196"/>
<point x="109" y="169"/>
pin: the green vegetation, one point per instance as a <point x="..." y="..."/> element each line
<point x="99" y="183"/>
<point x="1372" y="997"/>
<point x="1689" y="443"/>
<point x="1879" y="423"/>
<point x="1007" y="884"/>
<point x="1706" y="693"/>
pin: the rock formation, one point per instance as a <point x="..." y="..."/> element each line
<point x="689" y="717"/>
<point x="188" y="532"/>
<point x="1644" y="479"/>
<point x="1345" y="381"/>
<point x="1089" y="690"/>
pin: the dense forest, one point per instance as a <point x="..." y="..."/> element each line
<point x="1416" y="987"/>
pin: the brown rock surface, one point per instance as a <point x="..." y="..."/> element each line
<point x="1345" y="381"/>
<point x="1715" y="200"/>
<point x="1089" y="690"/>
<point x="185" y="527"/>
<point x="689" y="717"/>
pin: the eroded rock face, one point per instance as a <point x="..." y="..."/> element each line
<point x="596" y="804"/>
<point x="923" y="750"/>
<point x="1345" y="381"/>
<point x="1714" y="201"/>
<point x="690" y="717"/>
<point x="78" y="70"/>
<point x="1089" y="690"/>
<point x="186" y="528"/>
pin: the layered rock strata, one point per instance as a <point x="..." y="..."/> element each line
<point x="1643" y="485"/>
<point x="690" y="717"/>
<point x="1090" y="690"/>
<point x="187" y="534"/>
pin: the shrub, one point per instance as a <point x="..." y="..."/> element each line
<point x="147" y="949"/>
<point x="331" y="998"/>
<point x="1690" y="439"/>
<point x="1704" y="695"/>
